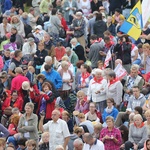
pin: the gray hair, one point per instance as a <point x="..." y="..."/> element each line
<point x="68" y="49"/>
<point x="137" y="116"/>
<point x="48" y="59"/>
<point x="59" y="147"/>
<point x="98" y="71"/>
<point x="78" y="141"/>
<point x="135" y="67"/>
<point x="111" y="73"/>
<point x="74" y="40"/>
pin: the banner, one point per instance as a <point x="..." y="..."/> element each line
<point x="120" y="71"/>
<point x="134" y="24"/>
<point x="107" y="59"/>
<point x="145" y="11"/>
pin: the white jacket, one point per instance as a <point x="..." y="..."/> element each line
<point x="94" y="87"/>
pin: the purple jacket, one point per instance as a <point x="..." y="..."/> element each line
<point x="82" y="108"/>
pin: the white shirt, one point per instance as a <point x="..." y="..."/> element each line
<point x="2" y="30"/>
<point x="58" y="132"/>
<point x="98" y="145"/>
<point x="27" y="49"/>
<point x="94" y="87"/>
<point x="66" y="76"/>
<point x="133" y="53"/>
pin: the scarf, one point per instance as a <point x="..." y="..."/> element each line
<point x="84" y="76"/>
<point x="97" y="41"/>
<point x="97" y="80"/>
<point x="142" y="124"/>
<point x="109" y="110"/>
<point x="108" y="45"/>
<point x="113" y="81"/>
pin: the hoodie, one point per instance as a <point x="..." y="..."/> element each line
<point x="133" y="102"/>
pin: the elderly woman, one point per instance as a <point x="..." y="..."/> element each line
<point x="93" y="115"/>
<point x="137" y="134"/>
<point x="17" y="23"/>
<point x="84" y="78"/>
<point x="114" y="88"/>
<point x="147" y="122"/>
<point x="67" y="78"/>
<point x="111" y="136"/>
<point x="82" y="105"/>
<point x="110" y="110"/>
<point x="28" y="123"/>
<point x="97" y="90"/>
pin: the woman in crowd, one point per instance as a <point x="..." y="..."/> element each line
<point x="93" y="115"/>
<point x="67" y="78"/>
<point x="82" y="105"/>
<point x="137" y="134"/>
<point x="31" y="145"/>
<point x="114" y="88"/>
<point x="39" y="57"/>
<point x="110" y="110"/>
<point x="17" y="23"/>
<point x="28" y="123"/>
<point x="97" y="90"/>
<point x="44" y="145"/>
<point x="111" y="136"/>
<point x="84" y="78"/>
<point x="147" y="122"/>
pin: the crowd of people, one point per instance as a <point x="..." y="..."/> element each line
<point x="59" y="90"/>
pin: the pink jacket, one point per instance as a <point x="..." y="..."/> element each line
<point x="1" y="63"/>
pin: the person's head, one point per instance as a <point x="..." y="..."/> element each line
<point x="64" y="65"/>
<point x="10" y="146"/>
<point x="124" y="132"/>
<point x="99" y="17"/>
<point x="110" y="121"/>
<point x="107" y="39"/>
<point x="15" y="110"/>
<point x="65" y="115"/>
<point x="15" y="20"/>
<point x="100" y="64"/>
<point x="29" y="107"/>
<point x="65" y="58"/>
<point x="73" y="42"/>
<point x="13" y="9"/>
<point x="54" y="11"/>
<point x="81" y="95"/>
<point x="139" y="46"/>
<point x="31" y="69"/>
<point x="18" y="54"/>
<point x="85" y="68"/>
<point x="111" y="75"/>
<point x="55" y="115"/>
<point x="138" y="120"/>
<point x="93" y="38"/>
<point x="14" y="95"/>
<point x="109" y="19"/>
<point x="79" y="15"/>
<point x="81" y="117"/>
<point x="5" y="21"/>
<point x="50" y="7"/>
<point x="41" y="45"/>
<point x="77" y="131"/>
<point x="15" y="119"/>
<point x="19" y="70"/>
<point x="92" y="107"/>
<point x="48" y="60"/>
<point x="110" y="102"/>
<point x="136" y="91"/>
<point x="147" y="115"/>
<point x="117" y="11"/>
<point x="7" y="53"/>
<point x="48" y="68"/>
<point x="118" y="61"/>
<point x="31" y="10"/>
<point x="30" y="41"/>
<point x="46" y="87"/>
<point x="146" y="47"/>
<point x="59" y="147"/>
<point x="31" y="144"/>
<point x="148" y="144"/>
<point x="40" y="78"/>
<point x="138" y="110"/>
<point x="98" y="73"/>
<point x="134" y="70"/>
<point x="22" y="143"/>
<point x="3" y="76"/>
<point x="2" y="143"/>
<point x="14" y="31"/>
<point x="46" y="37"/>
<point x="107" y="33"/>
<point x="79" y="63"/>
<point x="45" y="137"/>
<point x="88" y="138"/>
<point x="78" y="144"/>
<point x="20" y="11"/>
<point x="68" y="51"/>
<point x="101" y="9"/>
<point x="97" y="127"/>
<point x="26" y="86"/>
<point x="58" y="2"/>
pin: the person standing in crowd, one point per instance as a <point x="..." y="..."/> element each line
<point x="58" y="130"/>
<point x="97" y="90"/>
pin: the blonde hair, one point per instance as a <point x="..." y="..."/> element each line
<point x="65" y="58"/>
<point x="31" y="105"/>
<point x="137" y="116"/>
<point x="31" y="142"/>
<point x="80" y="93"/>
<point x="64" y="63"/>
<point x="98" y="126"/>
<point x="147" y="113"/>
<point x="31" y="67"/>
<point x="2" y="141"/>
<point x="146" y="45"/>
<point x="65" y="113"/>
<point x="44" y="134"/>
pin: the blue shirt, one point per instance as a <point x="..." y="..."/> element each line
<point x="54" y="77"/>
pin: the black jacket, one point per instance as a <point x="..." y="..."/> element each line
<point x="44" y="146"/>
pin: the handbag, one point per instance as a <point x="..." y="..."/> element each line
<point x="62" y="33"/>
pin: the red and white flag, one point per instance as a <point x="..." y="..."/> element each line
<point x="107" y="59"/>
<point x="120" y="71"/>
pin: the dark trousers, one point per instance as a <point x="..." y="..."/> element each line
<point x="129" y="145"/>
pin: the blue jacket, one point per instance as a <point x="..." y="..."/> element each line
<point x="114" y="114"/>
<point x="7" y="5"/>
<point x="54" y="77"/>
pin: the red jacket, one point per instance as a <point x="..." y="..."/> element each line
<point x="17" y="81"/>
<point x="11" y="129"/>
<point x="64" y="24"/>
<point x="18" y="103"/>
<point x="50" y="106"/>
